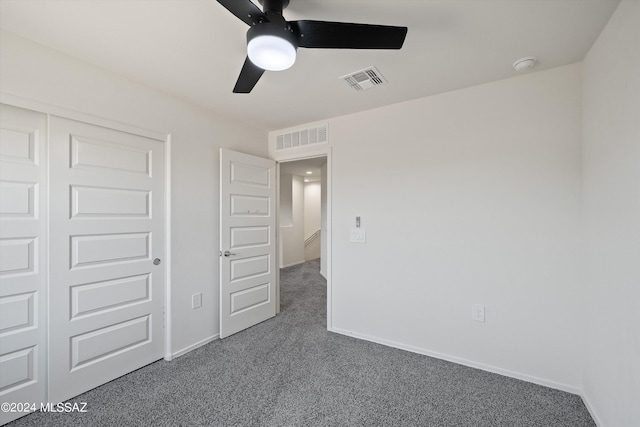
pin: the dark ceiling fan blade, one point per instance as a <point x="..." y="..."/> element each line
<point x="344" y="35"/>
<point x="245" y="10"/>
<point x="248" y="78"/>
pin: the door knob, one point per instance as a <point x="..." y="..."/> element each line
<point x="228" y="254"/>
<point x="157" y="261"/>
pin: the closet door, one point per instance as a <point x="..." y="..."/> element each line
<point x="23" y="259"/>
<point x="106" y="248"/>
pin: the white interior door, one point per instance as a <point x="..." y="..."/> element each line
<point x="107" y="226"/>
<point x="23" y="260"/>
<point x="247" y="241"/>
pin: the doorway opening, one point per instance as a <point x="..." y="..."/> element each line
<point x="304" y="216"/>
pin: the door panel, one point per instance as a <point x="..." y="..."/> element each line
<point x="113" y="202"/>
<point x="107" y="226"/>
<point x="102" y="343"/>
<point x="89" y="153"/>
<point x="89" y="250"/>
<point x="247" y="231"/>
<point x="92" y="298"/>
<point x="245" y="268"/>
<point x="242" y="205"/>
<point x="250" y="298"/>
<point x="246" y="237"/>
<point x="23" y="260"/>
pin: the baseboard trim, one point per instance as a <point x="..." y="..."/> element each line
<point x="293" y="263"/>
<point x="461" y="361"/>
<point x="195" y="345"/>
<point x="591" y="409"/>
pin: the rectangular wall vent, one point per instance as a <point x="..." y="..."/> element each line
<point x="364" y="79"/>
<point x="303" y="138"/>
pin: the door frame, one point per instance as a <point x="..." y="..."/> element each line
<point x="165" y="138"/>
<point x="292" y="157"/>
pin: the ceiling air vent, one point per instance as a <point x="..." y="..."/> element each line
<point x="303" y="137"/>
<point x="365" y="79"/>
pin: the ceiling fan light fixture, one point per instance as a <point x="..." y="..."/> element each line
<point x="271" y="46"/>
<point x="272" y="41"/>
<point x="271" y="53"/>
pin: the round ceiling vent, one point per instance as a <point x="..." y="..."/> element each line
<point x="524" y="64"/>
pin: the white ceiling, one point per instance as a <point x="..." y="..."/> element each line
<point x="194" y="49"/>
<point x="301" y="167"/>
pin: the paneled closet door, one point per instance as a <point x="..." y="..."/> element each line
<point x="23" y="259"/>
<point x="106" y="248"/>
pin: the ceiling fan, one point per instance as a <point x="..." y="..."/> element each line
<point x="272" y="41"/>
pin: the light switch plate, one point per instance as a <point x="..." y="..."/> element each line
<point x="358" y="235"/>
<point x="477" y="312"/>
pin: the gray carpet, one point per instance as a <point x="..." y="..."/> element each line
<point x="289" y="371"/>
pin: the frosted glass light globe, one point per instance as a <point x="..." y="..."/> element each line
<point x="271" y="53"/>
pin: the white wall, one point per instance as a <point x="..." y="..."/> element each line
<point x="292" y="236"/>
<point x="311" y="208"/>
<point x="32" y="71"/>
<point x="467" y="197"/>
<point x="286" y="201"/>
<point x="312" y="211"/>
<point x="612" y="219"/>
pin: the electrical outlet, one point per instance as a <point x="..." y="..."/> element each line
<point x="477" y="312"/>
<point x="196" y="300"/>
